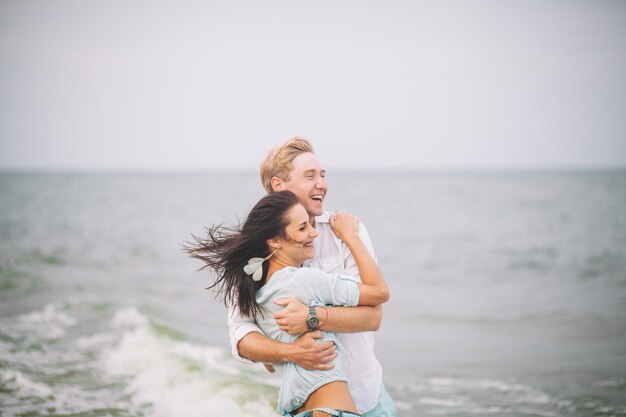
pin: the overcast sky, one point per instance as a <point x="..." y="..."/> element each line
<point x="156" y="85"/>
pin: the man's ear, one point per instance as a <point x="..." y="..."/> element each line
<point x="277" y="184"/>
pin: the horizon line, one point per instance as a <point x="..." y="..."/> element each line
<point x="383" y="170"/>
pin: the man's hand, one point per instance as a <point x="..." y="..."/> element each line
<point x="292" y="319"/>
<point x="313" y="355"/>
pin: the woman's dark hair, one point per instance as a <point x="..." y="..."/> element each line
<point x="227" y="250"/>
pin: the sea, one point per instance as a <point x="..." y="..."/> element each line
<point x="508" y="293"/>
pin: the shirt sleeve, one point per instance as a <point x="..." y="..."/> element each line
<point x="238" y="327"/>
<point x="351" y="267"/>
<point x="321" y="288"/>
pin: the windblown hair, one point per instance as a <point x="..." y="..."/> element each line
<point x="279" y="160"/>
<point x="226" y="250"/>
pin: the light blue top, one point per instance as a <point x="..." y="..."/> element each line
<point x="314" y="288"/>
<point x="333" y="256"/>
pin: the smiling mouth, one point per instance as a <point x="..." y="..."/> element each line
<point x="317" y="197"/>
<point x="307" y="244"/>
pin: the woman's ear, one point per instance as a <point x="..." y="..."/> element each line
<point x="274" y="243"/>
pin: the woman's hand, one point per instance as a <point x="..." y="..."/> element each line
<point x="292" y="318"/>
<point x="345" y="226"/>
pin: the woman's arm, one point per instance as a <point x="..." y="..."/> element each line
<point x="292" y="318"/>
<point x="373" y="289"/>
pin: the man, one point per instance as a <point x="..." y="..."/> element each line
<point x="293" y="166"/>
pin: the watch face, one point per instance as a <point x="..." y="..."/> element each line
<point x="313" y="322"/>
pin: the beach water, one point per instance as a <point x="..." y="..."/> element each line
<point x="508" y="294"/>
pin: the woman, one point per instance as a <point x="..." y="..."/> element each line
<point x="262" y="263"/>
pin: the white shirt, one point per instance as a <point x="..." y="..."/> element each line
<point x="363" y="369"/>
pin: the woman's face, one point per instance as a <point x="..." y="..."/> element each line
<point x="298" y="246"/>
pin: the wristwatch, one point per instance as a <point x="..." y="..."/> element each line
<point x="312" y="321"/>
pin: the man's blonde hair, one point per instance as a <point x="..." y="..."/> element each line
<point x="279" y="160"/>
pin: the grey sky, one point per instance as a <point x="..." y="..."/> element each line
<point x="427" y="85"/>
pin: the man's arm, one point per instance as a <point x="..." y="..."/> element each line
<point x="351" y="320"/>
<point x="249" y="343"/>
<point x="292" y="319"/>
<point x="304" y="351"/>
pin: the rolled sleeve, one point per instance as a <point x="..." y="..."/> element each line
<point x="238" y="328"/>
<point x="317" y="287"/>
<point x="344" y="291"/>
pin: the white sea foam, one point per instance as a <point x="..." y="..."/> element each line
<point x="611" y="382"/>
<point x="176" y="378"/>
<point x="50" y="314"/>
<point x="4" y="350"/>
<point x="95" y="342"/>
<point x="450" y="402"/>
<point x="444" y="395"/>
<point x="538" y="412"/>
<point x="520" y="393"/>
<point x="49" y="323"/>
<point x="129" y="318"/>
<point x="15" y="380"/>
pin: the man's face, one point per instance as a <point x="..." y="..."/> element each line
<point x="307" y="181"/>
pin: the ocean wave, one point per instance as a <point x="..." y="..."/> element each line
<point x="49" y="323"/>
<point x="51" y="314"/>
<point x="173" y="378"/>
<point x="610" y="383"/>
<point x="130" y="366"/>
<point x="451" y="395"/>
<point x="14" y="381"/>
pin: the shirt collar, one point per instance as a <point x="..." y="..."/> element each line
<point x="323" y="218"/>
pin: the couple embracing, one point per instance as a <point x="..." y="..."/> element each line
<point x="287" y="275"/>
